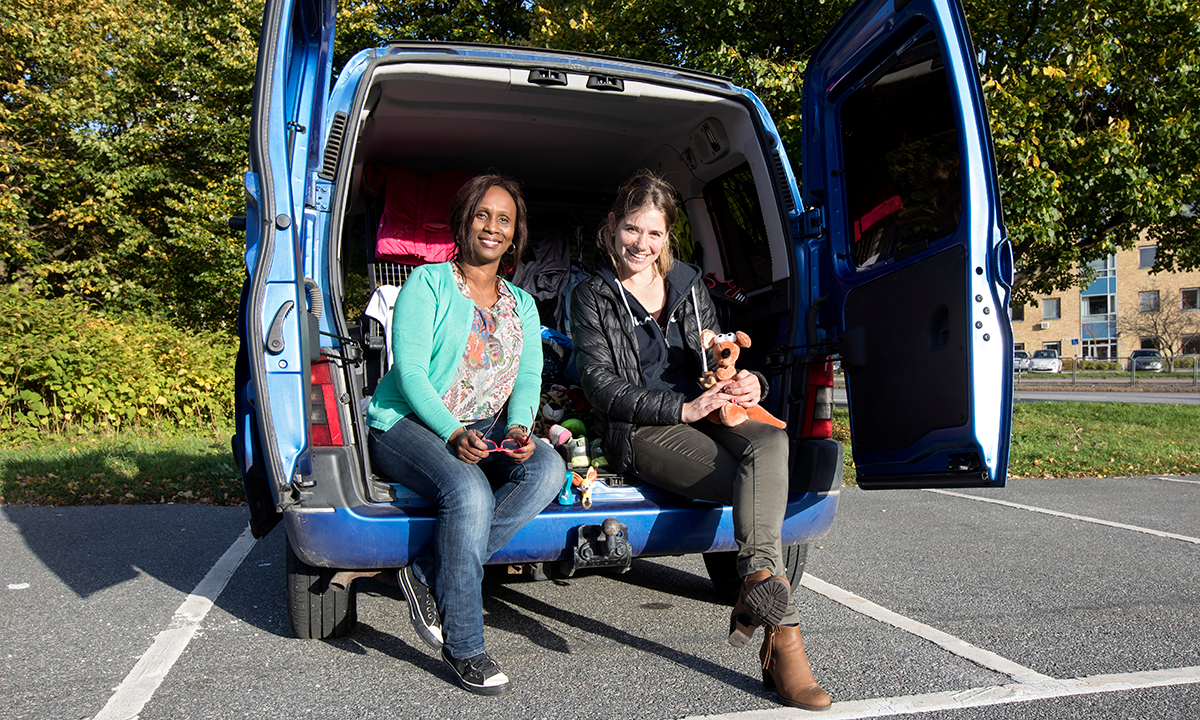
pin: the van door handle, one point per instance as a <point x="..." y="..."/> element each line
<point x="275" y="342"/>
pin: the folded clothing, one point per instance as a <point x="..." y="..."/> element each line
<point x="414" y="227"/>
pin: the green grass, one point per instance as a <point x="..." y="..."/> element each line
<point x="1120" y="374"/>
<point x="1074" y="439"/>
<point x="1050" y="439"/>
<point x="124" y="467"/>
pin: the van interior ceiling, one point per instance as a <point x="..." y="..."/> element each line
<point x="435" y="116"/>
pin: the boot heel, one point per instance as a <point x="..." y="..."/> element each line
<point x="741" y="629"/>
<point x="768" y="681"/>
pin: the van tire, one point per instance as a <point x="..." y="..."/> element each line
<point x="316" y="610"/>
<point x="722" y="570"/>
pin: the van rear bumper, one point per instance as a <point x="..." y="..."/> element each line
<point x="376" y="537"/>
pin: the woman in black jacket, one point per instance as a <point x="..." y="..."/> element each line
<point x="635" y="328"/>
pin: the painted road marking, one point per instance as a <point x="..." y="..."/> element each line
<point x="1081" y="518"/>
<point x="1178" y="480"/>
<point x="981" y="696"/>
<point x="139" y="685"/>
<point x="977" y="655"/>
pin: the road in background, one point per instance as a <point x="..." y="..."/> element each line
<point x="1129" y="396"/>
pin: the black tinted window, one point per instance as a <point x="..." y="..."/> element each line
<point x="901" y="154"/>
<point x="732" y="201"/>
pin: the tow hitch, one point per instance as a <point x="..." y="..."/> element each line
<point x="599" y="546"/>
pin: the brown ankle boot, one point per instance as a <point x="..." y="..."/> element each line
<point x="786" y="670"/>
<point x="763" y="600"/>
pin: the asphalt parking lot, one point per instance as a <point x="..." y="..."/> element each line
<point x="1048" y="599"/>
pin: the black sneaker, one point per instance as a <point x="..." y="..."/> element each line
<point x="422" y="610"/>
<point x="480" y="674"/>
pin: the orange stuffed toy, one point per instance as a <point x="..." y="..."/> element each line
<point x="728" y="347"/>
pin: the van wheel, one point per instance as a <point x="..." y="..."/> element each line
<point x="316" y="610"/>
<point x="722" y="570"/>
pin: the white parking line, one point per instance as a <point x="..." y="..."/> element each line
<point x="139" y="685"/>
<point x="1081" y="518"/>
<point x="977" y="655"/>
<point x="1178" y="480"/>
<point x="981" y="696"/>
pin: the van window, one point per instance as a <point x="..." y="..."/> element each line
<point x="737" y="217"/>
<point x="901" y="156"/>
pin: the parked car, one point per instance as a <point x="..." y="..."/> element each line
<point x="888" y="250"/>
<point x="1020" y="360"/>
<point x="1045" y="361"/>
<point x="1146" y="360"/>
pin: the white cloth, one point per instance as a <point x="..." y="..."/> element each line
<point x="379" y="308"/>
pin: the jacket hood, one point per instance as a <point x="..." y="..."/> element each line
<point x="680" y="280"/>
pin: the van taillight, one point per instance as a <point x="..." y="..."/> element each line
<point x="323" y="407"/>
<point x="818" y="403"/>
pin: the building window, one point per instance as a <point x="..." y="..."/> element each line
<point x="1105" y="268"/>
<point x="1018" y="312"/>
<point x="1050" y="309"/>
<point x="1191" y="345"/>
<point x="1149" y="343"/>
<point x="1096" y="305"/>
<point x="1055" y="346"/>
<point x="1101" y="349"/>
<point x="1018" y="346"/>
<point x="1146" y="256"/>
<point x="1189" y="298"/>
<point x="1148" y="301"/>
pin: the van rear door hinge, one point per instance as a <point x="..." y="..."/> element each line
<point x="320" y="193"/>
<point x="812" y="222"/>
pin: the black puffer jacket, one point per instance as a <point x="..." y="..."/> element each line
<point x="606" y="355"/>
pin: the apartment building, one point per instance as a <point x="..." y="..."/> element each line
<point x="1088" y="323"/>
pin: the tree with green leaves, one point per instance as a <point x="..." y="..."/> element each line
<point x="123" y="130"/>
<point x="123" y="125"/>
<point x="1094" y="112"/>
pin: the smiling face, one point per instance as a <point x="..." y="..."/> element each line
<point x="492" y="228"/>
<point x="639" y="239"/>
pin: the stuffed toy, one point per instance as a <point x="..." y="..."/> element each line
<point x="727" y="347"/>
<point x="554" y="405"/>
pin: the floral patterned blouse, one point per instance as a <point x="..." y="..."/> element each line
<point x="488" y="370"/>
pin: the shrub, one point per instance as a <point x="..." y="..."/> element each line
<point x="66" y="365"/>
<point x="1098" y="365"/>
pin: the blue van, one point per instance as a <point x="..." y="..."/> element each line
<point x="888" y="253"/>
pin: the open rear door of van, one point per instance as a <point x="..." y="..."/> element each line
<point x="278" y="333"/>
<point x="899" y="181"/>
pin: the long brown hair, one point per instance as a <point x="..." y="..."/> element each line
<point x="470" y="195"/>
<point x="644" y="189"/>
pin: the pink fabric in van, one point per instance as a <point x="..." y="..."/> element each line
<point x="415" y="225"/>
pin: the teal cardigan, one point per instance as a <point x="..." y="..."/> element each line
<point x="430" y="327"/>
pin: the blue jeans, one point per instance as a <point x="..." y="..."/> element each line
<point x="479" y="509"/>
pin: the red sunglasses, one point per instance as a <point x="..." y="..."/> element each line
<point x="508" y="445"/>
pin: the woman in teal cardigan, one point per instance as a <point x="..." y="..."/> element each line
<point x="450" y="421"/>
